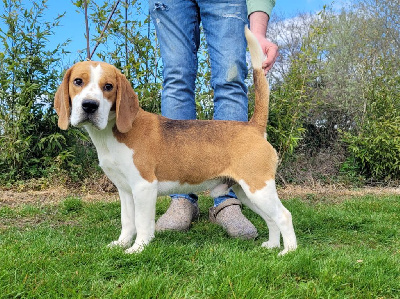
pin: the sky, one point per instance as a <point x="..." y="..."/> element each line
<point x="73" y="23"/>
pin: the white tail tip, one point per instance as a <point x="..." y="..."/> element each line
<point x="256" y="53"/>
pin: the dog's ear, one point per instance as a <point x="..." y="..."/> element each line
<point x="127" y="105"/>
<point x="62" y="102"/>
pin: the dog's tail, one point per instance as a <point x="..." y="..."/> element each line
<point x="260" y="115"/>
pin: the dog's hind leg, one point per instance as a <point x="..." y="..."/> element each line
<point x="128" y="230"/>
<point x="144" y="196"/>
<point x="273" y="230"/>
<point x="265" y="201"/>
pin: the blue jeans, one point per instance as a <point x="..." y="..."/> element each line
<point x="177" y="24"/>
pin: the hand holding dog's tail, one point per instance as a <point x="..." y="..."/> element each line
<point x="260" y="115"/>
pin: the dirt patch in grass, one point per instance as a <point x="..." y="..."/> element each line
<point x="332" y="192"/>
<point x="32" y="221"/>
<point x="55" y="195"/>
<point x="51" y="196"/>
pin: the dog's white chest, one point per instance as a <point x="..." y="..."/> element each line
<point x="115" y="158"/>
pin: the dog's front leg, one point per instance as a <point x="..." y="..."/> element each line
<point x="145" y="197"/>
<point x="128" y="230"/>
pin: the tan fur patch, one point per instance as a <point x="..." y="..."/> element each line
<point x="194" y="151"/>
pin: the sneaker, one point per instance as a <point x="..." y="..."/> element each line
<point x="229" y="215"/>
<point x="179" y="215"/>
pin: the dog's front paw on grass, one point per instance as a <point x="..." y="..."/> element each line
<point x="271" y="245"/>
<point x="287" y="250"/>
<point x="136" y="248"/>
<point x="118" y="244"/>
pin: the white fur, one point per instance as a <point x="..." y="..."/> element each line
<point x="266" y="203"/>
<point x="138" y="196"/>
<point x="219" y="190"/>
<point x="256" y="53"/>
<point x="168" y="187"/>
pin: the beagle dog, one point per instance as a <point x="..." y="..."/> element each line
<point x="146" y="155"/>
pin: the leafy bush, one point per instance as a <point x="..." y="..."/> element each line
<point x="376" y="146"/>
<point x="31" y="144"/>
<point x="293" y="98"/>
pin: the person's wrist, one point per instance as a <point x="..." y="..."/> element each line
<point x="259" y="23"/>
<point x="260" y="35"/>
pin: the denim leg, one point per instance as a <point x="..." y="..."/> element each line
<point x="177" y="28"/>
<point x="190" y="197"/>
<point x="223" y="23"/>
<point x="221" y="199"/>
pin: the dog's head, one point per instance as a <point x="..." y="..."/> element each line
<point x="95" y="93"/>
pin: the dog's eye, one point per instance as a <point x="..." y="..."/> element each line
<point x="108" y="87"/>
<point x="78" y="82"/>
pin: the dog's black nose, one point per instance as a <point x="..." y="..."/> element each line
<point x="90" y="106"/>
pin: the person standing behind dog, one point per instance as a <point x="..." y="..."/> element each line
<point x="177" y="26"/>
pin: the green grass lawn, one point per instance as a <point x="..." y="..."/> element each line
<point x="348" y="248"/>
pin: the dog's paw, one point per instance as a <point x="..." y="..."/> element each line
<point x="287" y="250"/>
<point x="136" y="248"/>
<point x="117" y="243"/>
<point x="271" y="245"/>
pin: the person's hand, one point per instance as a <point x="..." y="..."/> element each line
<point x="258" y="25"/>
<point x="270" y="50"/>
